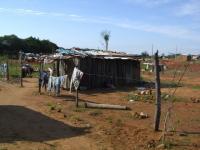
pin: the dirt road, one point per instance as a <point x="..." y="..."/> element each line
<point x="29" y="121"/>
<point x="24" y="124"/>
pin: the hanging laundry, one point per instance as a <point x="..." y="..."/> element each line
<point x="49" y="87"/>
<point x="43" y="79"/>
<point x="76" y="78"/>
<point x="64" y="81"/>
<point x="55" y="83"/>
<point x="3" y="69"/>
<point x="50" y="71"/>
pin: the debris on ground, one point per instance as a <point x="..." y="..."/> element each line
<point x="182" y="134"/>
<point x="160" y="146"/>
<point x="195" y="100"/>
<point x="105" y="106"/>
<point x="151" y="144"/>
<point x="140" y="115"/>
<point x="131" y="100"/>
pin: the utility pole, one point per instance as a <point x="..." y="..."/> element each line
<point x="158" y="93"/>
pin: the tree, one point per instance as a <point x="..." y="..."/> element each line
<point x="145" y="54"/>
<point x="106" y="36"/>
<point x="11" y="45"/>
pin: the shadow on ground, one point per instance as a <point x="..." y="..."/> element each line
<point x="18" y="123"/>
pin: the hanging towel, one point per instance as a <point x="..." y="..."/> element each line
<point x="76" y="77"/>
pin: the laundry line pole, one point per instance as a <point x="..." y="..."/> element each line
<point x="39" y="80"/>
<point x="20" y="61"/>
<point x="7" y="71"/>
<point x="76" y="97"/>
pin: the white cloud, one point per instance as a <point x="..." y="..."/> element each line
<point x="31" y="12"/>
<point x="191" y="7"/>
<point x="168" y="30"/>
<point x="150" y="3"/>
<point x="172" y="31"/>
<point x="74" y="15"/>
<point x="22" y="11"/>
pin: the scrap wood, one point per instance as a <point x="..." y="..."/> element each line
<point x="105" y="106"/>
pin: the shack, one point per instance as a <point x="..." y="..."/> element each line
<point x="101" y="68"/>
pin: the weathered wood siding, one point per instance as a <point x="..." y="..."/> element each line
<point x="99" y="72"/>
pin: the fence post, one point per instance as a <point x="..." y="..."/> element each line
<point x="158" y="93"/>
<point x="39" y="80"/>
<point x="20" y="61"/>
<point x="7" y="71"/>
<point x="76" y="97"/>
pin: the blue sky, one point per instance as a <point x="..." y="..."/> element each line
<point x="134" y="24"/>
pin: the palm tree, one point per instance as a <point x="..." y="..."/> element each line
<point x="106" y="36"/>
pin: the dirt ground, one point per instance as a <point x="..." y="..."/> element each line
<point x="29" y="121"/>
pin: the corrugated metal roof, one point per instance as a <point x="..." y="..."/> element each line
<point x="92" y="53"/>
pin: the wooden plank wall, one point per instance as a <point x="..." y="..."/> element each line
<point x="99" y="72"/>
<point x="119" y="72"/>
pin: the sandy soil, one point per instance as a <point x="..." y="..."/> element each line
<point x="30" y="121"/>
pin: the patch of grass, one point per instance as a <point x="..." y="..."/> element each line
<point x="80" y="109"/>
<point x="168" y="144"/>
<point x="136" y="97"/>
<point x="3" y="149"/>
<point x="118" y="123"/>
<point x="75" y="118"/>
<point x="129" y="115"/>
<point x="95" y="113"/>
<point x="53" y="106"/>
<point x="196" y="87"/>
<point x="109" y="119"/>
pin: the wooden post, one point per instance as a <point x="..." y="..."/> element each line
<point x="57" y="68"/>
<point x="77" y="98"/>
<point x="158" y="93"/>
<point x="39" y="80"/>
<point x="20" y="60"/>
<point x="7" y="71"/>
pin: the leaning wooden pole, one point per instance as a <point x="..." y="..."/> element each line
<point x="158" y="93"/>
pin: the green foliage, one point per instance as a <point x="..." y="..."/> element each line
<point x="145" y="54"/>
<point x="109" y="119"/>
<point x="197" y="87"/>
<point x="95" y="113"/>
<point x="11" y="45"/>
